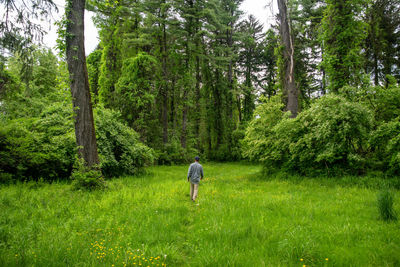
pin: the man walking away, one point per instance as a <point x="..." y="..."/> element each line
<point x="195" y="174"/>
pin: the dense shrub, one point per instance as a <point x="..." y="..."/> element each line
<point x="260" y="143"/>
<point x="333" y="135"/>
<point x="330" y="137"/>
<point x="38" y="147"/>
<point x="174" y="153"/>
<point x="385" y="141"/>
<point x="86" y="178"/>
<point x="37" y="139"/>
<point x="120" y="149"/>
<point x="44" y="146"/>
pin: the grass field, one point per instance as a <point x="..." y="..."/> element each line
<point x="241" y="219"/>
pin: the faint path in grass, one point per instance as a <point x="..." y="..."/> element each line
<point x="172" y="181"/>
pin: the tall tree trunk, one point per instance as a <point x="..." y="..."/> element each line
<point x="76" y="60"/>
<point x="184" y="117"/>
<point x="288" y="81"/>
<point x="197" y="89"/>
<point x="239" y="107"/>
<point x="165" y="87"/>
<point x="229" y="34"/>
<point x="376" y="69"/>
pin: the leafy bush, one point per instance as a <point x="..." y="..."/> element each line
<point x="44" y="146"/>
<point x="84" y="177"/>
<point x="385" y="141"/>
<point x="383" y="101"/>
<point x="331" y="136"/>
<point x="259" y="143"/>
<point x="120" y="149"/>
<point x="385" y="205"/>
<point x="174" y="153"/>
<point x="38" y="147"/>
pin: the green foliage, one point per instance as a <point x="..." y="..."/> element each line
<point x="174" y="153"/>
<point x="342" y="35"/>
<point x="259" y="141"/>
<point x="37" y="139"/>
<point x="8" y="82"/>
<point x="385" y="201"/>
<point x="333" y="132"/>
<point x="136" y="90"/>
<point x="385" y="141"/>
<point x="330" y="137"/>
<point x="87" y="178"/>
<point x="44" y="146"/>
<point x="93" y="66"/>
<point x="38" y="147"/>
<point x="120" y="149"/>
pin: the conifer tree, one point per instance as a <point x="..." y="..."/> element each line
<point x="342" y="35"/>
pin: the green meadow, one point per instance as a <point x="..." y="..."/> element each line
<point x="241" y="218"/>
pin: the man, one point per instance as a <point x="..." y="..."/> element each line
<point x="195" y="174"/>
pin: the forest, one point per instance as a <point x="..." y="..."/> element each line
<point x="297" y="126"/>
<point x="315" y="93"/>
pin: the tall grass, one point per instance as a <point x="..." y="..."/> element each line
<point x="241" y="219"/>
<point x="385" y="205"/>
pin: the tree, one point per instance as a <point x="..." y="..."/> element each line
<point x="18" y="26"/>
<point x="269" y="60"/>
<point x="305" y="17"/>
<point x="342" y="36"/>
<point x="381" y="44"/>
<point x="135" y="93"/>
<point x="76" y="60"/>
<point x="250" y="62"/>
<point x="289" y="85"/>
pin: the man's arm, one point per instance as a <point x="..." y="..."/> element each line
<point x="189" y="172"/>
<point x="201" y="172"/>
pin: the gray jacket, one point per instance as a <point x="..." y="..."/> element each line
<point x="195" y="172"/>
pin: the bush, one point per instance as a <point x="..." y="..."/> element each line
<point x="330" y="137"/>
<point x="44" y="146"/>
<point x="84" y="177"/>
<point x="120" y="149"/>
<point x="174" y="153"/>
<point x="259" y="143"/>
<point x="38" y="147"/>
<point x="385" y="141"/>
<point x="385" y="205"/>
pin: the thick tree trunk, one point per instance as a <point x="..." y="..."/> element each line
<point x="288" y="81"/>
<point x="76" y="60"/>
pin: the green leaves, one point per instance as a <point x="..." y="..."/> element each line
<point x="332" y="135"/>
<point x="342" y="36"/>
<point x="120" y="150"/>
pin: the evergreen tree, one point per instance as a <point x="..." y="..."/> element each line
<point x="81" y="99"/>
<point x="250" y="62"/>
<point x="381" y="44"/>
<point x="342" y="36"/>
